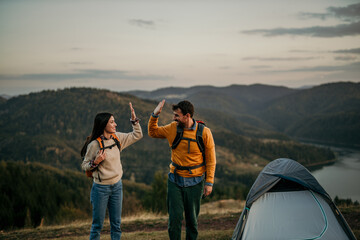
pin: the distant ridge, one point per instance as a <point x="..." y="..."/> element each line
<point x="305" y="87"/>
<point x="242" y="92"/>
<point x="327" y="113"/>
<point x="5" y="96"/>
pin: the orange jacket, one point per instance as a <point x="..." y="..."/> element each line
<point x="181" y="156"/>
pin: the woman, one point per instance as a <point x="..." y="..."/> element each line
<point x="106" y="168"/>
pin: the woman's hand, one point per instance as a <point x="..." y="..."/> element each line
<point x="133" y="119"/>
<point x="100" y="157"/>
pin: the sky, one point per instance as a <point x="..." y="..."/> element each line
<point x="125" y="45"/>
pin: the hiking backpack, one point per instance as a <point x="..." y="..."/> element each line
<point x="199" y="140"/>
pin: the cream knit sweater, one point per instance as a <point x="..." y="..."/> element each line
<point x="110" y="170"/>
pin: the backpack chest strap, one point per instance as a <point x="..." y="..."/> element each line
<point x="110" y="146"/>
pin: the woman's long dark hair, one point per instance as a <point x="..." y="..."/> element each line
<point x="100" y="122"/>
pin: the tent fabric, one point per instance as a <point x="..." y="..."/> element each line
<point x="282" y="168"/>
<point x="285" y="215"/>
<point x="304" y="211"/>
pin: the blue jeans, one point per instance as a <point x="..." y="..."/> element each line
<point x="102" y="197"/>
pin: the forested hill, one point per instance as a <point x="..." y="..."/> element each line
<point x="328" y="113"/>
<point x="50" y="127"/>
<point x="2" y="100"/>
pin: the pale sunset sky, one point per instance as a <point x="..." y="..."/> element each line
<point x="125" y="45"/>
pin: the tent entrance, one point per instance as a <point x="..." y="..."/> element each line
<point x="286" y="186"/>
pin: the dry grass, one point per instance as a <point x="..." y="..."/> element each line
<point x="222" y="207"/>
<point x="144" y="216"/>
<point x="79" y="230"/>
<point x="163" y="235"/>
<point x="217" y="222"/>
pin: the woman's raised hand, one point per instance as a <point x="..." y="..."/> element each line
<point x="133" y="115"/>
<point x="133" y="119"/>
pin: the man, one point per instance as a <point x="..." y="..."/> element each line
<point x="188" y="168"/>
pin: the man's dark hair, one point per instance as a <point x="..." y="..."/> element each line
<point x="185" y="107"/>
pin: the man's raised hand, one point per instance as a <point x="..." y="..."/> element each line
<point x="159" y="107"/>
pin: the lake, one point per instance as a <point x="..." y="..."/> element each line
<point x="342" y="178"/>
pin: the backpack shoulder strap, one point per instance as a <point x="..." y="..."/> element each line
<point x="178" y="137"/>
<point x="117" y="141"/>
<point x="101" y="142"/>
<point x="199" y="133"/>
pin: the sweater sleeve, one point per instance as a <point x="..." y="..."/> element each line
<point x="210" y="156"/>
<point x="126" y="139"/>
<point x="155" y="131"/>
<point x="92" y="150"/>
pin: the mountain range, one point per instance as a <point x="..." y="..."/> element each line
<point x="328" y="113"/>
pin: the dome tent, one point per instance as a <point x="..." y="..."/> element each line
<point x="287" y="202"/>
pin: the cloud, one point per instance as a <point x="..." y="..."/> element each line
<point x="85" y="74"/>
<point x="278" y="59"/>
<point x="340" y="30"/>
<point x="142" y="23"/>
<point x="345" y="58"/>
<point x="352" y="67"/>
<point x="352" y="50"/>
<point x="322" y="16"/>
<point x="349" y="13"/>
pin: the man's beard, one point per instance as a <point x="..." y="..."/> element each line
<point x="180" y="124"/>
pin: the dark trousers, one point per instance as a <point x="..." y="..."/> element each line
<point x="180" y="200"/>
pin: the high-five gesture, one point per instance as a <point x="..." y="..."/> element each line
<point x="159" y="107"/>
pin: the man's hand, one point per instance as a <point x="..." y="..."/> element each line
<point x="207" y="190"/>
<point x="159" y="107"/>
